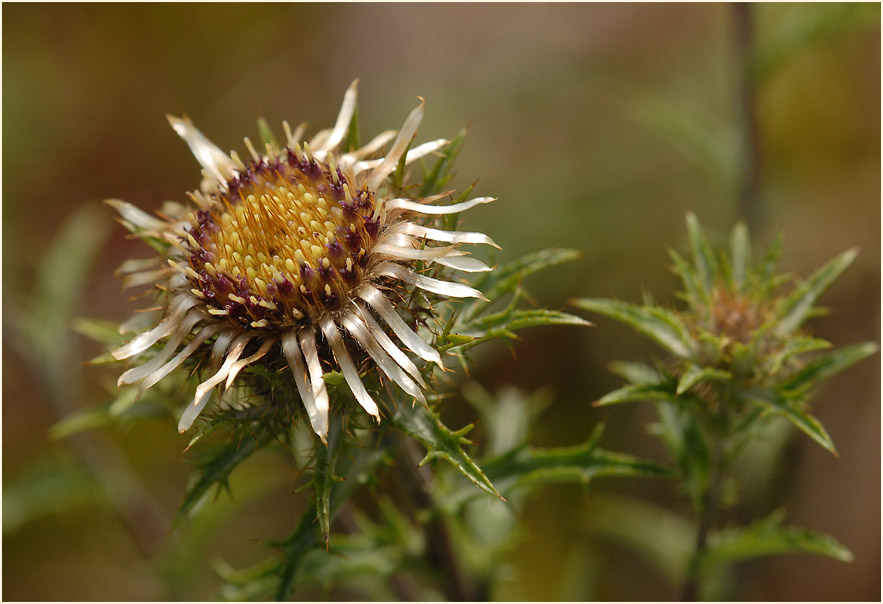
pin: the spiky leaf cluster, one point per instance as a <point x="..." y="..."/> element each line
<point x="740" y="350"/>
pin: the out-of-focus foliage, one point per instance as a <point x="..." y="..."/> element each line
<point x="741" y="359"/>
<point x="560" y="100"/>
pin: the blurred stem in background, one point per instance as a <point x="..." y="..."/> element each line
<point x="750" y="211"/>
<point x="750" y="168"/>
<point x="440" y="551"/>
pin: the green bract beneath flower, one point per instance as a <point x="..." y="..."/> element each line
<point x="296" y="251"/>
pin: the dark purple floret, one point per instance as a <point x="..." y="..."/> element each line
<point x="286" y="287"/>
<point x="337" y="187"/>
<point x="335" y="250"/>
<point x="325" y="273"/>
<point x="223" y="285"/>
<point x="310" y="168"/>
<point x="362" y="200"/>
<point x="353" y="240"/>
<point x="349" y="276"/>
<point x="330" y="300"/>
<point x="372" y="226"/>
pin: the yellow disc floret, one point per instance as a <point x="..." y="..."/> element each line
<point x="285" y="241"/>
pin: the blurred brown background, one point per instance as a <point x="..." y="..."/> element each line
<point x="597" y="126"/>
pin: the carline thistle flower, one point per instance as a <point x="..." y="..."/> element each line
<point x="294" y="251"/>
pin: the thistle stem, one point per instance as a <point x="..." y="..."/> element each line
<point x="749" y="143"/>
<point x="439" y="546"/>
<point x="707" y="517"/>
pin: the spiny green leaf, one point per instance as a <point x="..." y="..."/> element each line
<point x="513" y="320"/>
<point x="693" y="295"/>
<point x="521" y="319"/>
<point x="695" y="374"/>
<point x="740" y="255"/>
<point x="450" y="221"/>
<point x="266" y="133"/>
<point x="440" y="175"/>
<point x="638" y="374"/>
<point x="636" y="394"/>
<point x="106" y="332"/>
<point x="769" y="266"/>
<point x="703" y="256"/>
<point x="530" y="467"/>
<point x="792" y="347"/>
<point x="797" y="306"/>
<point x="503" y="325"/>
<point x="768" y="537"/>
<point x="323" y="471"/>
<point x="506" y="277"/>
<point x="827" y="365"/>
<point x="660" y="325"/>
<point x="426" y="427"/>
<point x="794" y="413"/>
<point x="398" y="176"/>
<point x="215" y="471"/>
<point x="458" y="339"/>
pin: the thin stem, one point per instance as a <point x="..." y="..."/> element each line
<point x="439" y="546"/>
<point x="749" y="143"/>
<point x="707" y="518"/>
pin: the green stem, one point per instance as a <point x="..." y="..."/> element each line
<point x="707" y="517"/>
<point x="440" y="551"/>
<point x="749" y="147"/>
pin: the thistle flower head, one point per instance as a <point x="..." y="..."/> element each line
<point x="740" y="349"/>
<point x="298" y="251"/>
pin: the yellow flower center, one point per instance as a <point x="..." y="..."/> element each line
<point x="285" y="242"/>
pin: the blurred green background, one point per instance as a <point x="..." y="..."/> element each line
<point x="597" y="126"/>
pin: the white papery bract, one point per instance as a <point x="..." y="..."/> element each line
<point x="293" y="251"/>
